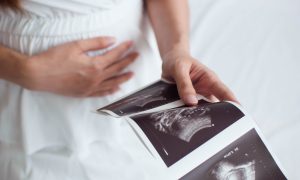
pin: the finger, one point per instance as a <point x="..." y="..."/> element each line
<point x="185" y="86"/>
<point x="222" y="92"/>
<point x="212" y="98"/>
<point x="117" y="80"/>
<point x="115" y="54"/>
<point x="105" y="92"/>
<point x="116" y="68"/>
<point x="95" y="43"/>
<point x="209" y="96"/>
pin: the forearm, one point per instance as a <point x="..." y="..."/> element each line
<point x="67" y="70"/>
<point x="170" y="21"/>
<point x="10" y="64"/>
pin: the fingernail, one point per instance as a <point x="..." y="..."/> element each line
<point x="131" y="74"/>
<point x="129" y="43"/>
<point x="135" y="55"/>
<point x="191" y="99"/>
<point x="110" y="39"/>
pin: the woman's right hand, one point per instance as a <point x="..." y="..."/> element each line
<point x="67" y="69"/>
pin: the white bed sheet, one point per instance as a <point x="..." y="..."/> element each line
<point x="254" y="46"/>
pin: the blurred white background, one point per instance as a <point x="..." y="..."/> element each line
<point x="254" y="46"/>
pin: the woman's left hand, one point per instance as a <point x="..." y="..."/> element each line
<point x="193" y="77"/>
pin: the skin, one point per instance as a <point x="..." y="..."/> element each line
<point x="170" y="20"/>
<point x="67" y="70"/>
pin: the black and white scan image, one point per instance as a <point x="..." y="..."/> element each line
<point x="157" y="94"/>
<point x="176" y="132"/>
<point x="245" y="159"/>
<point x="182" y="123"/>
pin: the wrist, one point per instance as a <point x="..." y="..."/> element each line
<point x="25" y="74"/>
<point x="174" y="60"/>
<point x="176" y="52"/>
<point x="175" y="57"/>
<point x="13" y="66"/>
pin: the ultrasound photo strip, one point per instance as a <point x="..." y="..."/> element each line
<point x="176" y="132"/>
<point x="171" y="132"/>
<point x="246" y="158"/>
<point x="155" y="95"/>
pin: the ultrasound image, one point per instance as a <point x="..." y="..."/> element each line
<point x="245" y="159"/>
<point x="182" y="122"/>
<point x="155" y="95"/>
<point x="176" y="132"/>
<point x="227" y="170"/>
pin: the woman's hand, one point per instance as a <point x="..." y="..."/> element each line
<point x="170" y="21"/>
<point x="68" y="70"/>
<point x="193" y="77"/>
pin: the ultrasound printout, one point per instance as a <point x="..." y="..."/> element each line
<point x="176" y="132"/>
<point x="246" y="158"/>
<point x="155" y="95"/>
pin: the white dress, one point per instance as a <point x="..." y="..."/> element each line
<point x="47" y="136"/>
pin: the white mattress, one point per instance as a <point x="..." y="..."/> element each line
<point x="254" y="46"/>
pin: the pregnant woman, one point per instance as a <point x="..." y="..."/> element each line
<point x="60" y="59"/>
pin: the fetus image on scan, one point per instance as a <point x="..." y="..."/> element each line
<point x="174" y="133"/>
<point x="247" y="158"/>
<point x="182" y="123"/>
<point x="227" y="171"/>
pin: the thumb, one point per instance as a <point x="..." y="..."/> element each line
<point x="185" y="86"/>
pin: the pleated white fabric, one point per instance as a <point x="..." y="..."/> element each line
<point x="47" y="136"/>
